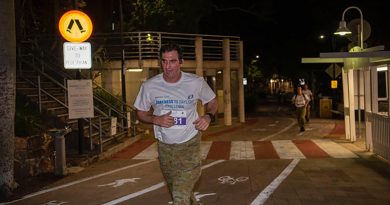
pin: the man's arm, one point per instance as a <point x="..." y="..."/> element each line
<point x="163" y="120"/>
<point x="212" y="106"/>
<point x="203" y="122"/>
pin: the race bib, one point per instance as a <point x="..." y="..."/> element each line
<point x="180" y="118"/>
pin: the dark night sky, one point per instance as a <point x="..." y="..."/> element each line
<point x="283" y="31"/>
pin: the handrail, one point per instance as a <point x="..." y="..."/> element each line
<point x="45" y="65"/>
<point x="145" y="44"/>
<point x="61" y="72"/>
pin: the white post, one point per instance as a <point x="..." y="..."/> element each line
<point x="226" y="82"/>
<point x="241" y="100"/>
<point x="367" y="107"/>
<point x="199" y="65"/>
<point x="388" y="89"/>
<point x="351" y="105"/>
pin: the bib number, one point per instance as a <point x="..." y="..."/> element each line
<point x="180" y="118"/>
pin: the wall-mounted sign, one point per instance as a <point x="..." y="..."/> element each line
<point x="77" y="55"/>
<point x="333" y="84"/>
<point x="75" y="26"/>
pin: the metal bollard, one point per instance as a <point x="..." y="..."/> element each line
<point x="60" y="155"/>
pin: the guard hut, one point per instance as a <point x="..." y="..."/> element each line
<point x="366" y="87"/>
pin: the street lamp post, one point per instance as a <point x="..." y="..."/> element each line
<point x="343" y="30"/>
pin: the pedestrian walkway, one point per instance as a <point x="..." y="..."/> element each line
<point x="248" y="150"/>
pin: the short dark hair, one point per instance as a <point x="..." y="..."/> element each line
<point x="171" y="47"/>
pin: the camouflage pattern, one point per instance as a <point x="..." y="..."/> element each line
<point x="181" y="167"/>
<point x="301" y="113"/>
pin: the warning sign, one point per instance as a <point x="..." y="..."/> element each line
<point x="80" y="99"/>
<point x="75" y="26"/>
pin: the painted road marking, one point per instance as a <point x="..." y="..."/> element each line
<point x="286" y="149"/>
<point x="54" y="202"/>
<point x="230" y="180"/>
<point x="198" y="196"/>
<point x="251" y="150"/>
<point x="148" y="153"/>
<point x="132" y="150"/>
<point x="264" y="150"/>
<point x="242" y="150"/>
<point x="120" y="182"/>
<point x="266" y="193"/>
<point x="204" y="148"/>
<point x="80" y="181"/>
<point x="335" y="150"/>
<point x="219" y="150"/>
<point x="152" y="188"/>
<point x="310" y="149"/>
<point x="281" y="131"/>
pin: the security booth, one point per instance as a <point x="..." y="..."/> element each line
<point x="365" y="79"/>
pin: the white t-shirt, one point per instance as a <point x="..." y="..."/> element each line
<point x="180" y="98"/>
<point x="300" y="100"/>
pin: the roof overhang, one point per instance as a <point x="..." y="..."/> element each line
<point x="371" y="54"/>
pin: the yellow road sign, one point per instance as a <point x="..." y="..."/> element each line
<point x="75" y="26"/>
<point x="333" y="84"/>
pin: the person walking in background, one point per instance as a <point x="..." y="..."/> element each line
<point x="300" y="101"/>
<point x="173" y="96"/>
<point x="309" y="94"/>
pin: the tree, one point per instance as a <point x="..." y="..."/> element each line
<point x="165" y="15"/>
<point x="7" y="96"/>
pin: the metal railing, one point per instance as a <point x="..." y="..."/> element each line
<point x="46" y="66"/>
<point x="380" y="134"/>
<point x="146" y="44"/>
<point x="40" y="54"/>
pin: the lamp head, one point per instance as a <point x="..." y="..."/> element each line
<point x="342" y="30"/>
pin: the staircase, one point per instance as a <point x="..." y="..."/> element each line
<point x="43" y="81"/>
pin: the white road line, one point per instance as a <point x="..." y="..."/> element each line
<point x="286" y="149"/>
<point x="133" y="195"/>
<point x="205" y="148"/>
<point x="79" y="181"/>
<point x="152" y="188"/>
<point x="242" y="150"/>
<point x="266" y="193"/>
<point x="152" y="153"/>
<point x="333" y="149"/>
<point x="281" y="131"/>
<point x="148" y="153"/>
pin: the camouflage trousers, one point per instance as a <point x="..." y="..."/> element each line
<point x="301" y="113"/>
<point x="181" y="167"/>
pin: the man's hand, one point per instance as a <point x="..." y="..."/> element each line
<point x="202" y="123"/>
<point x="164" y="120"/>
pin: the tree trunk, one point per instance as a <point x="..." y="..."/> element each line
<point x="7" y="96"/>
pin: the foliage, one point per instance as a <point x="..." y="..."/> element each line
<point x="166" y="15"/>
<point x="28" y="120"/>
<point x="254" y="70"/>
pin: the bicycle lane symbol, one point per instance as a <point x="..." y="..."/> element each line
<point x="230" y="180"/>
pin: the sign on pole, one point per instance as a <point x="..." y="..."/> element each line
<point x="77" y="55"/>
<point x="75" y="26"/>
<point x="80" y="99"/>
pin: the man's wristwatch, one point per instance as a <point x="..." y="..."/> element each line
<point x="211" y="115"/>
